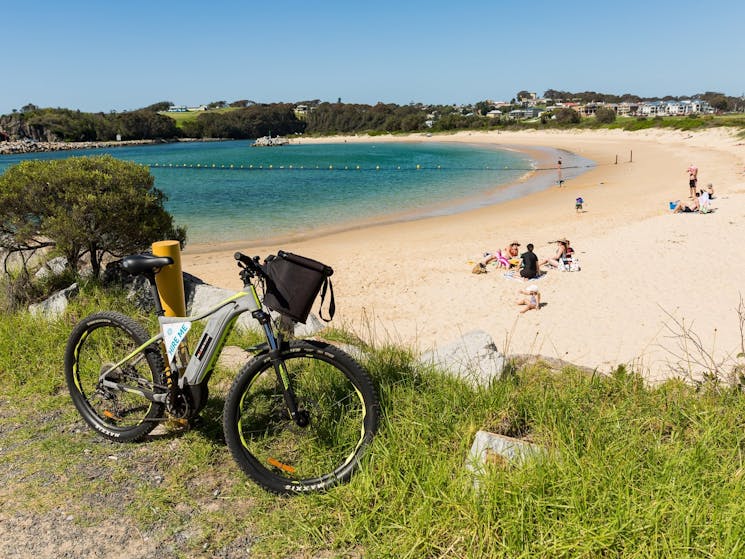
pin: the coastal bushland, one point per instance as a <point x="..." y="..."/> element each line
<point x="247" y="120"/>
<point x="629" y="469"/>
<point x="85" y="209"/>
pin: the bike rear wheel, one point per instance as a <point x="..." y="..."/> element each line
<point x="334" y="395"/>
<point x="109" y="346"/>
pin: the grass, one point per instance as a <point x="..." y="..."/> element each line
<point x="631" y="470"/>
<point x="191" y="116"/>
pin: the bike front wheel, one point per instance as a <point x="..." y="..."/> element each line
<point x="110" y="372"/>
<point x="339" y="412"/>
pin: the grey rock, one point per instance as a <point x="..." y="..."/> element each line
<point x="53" y="267"/>
<point x="491" y="449"/>
<point x="55" y="305"/>
<point x="474" y="358"/>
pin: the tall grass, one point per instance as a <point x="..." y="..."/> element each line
<point x="630" y="470"/>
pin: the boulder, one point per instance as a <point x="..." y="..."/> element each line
<point x="55" y="305"/>
<point x="54" y="267"/>
<point x="474" y="358"/>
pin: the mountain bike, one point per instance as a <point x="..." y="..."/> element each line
<point x="299" y="415"/>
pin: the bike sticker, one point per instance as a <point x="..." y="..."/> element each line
<point x="173" y="334"/>
<point x="204" y="343"/>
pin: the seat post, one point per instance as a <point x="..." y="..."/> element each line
<point x="154" y="291"/>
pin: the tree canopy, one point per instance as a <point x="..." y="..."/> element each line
<point x="82" y="206"/>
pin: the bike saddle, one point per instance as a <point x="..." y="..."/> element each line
<point x="141" y="263"/>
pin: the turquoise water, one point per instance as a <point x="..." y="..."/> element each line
<point x="229" y="191"/>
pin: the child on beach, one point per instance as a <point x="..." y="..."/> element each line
<point x="578" y="204"/>
<point x="533" y="301"/>
<point x="692" y="178"/>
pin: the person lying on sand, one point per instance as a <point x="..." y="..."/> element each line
<point x="506" y="258"/>
<point x="687" y="207"/>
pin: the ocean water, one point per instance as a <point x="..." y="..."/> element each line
<point x="230" y="191"/>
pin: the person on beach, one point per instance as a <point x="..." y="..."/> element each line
<point x="692" y="178"/>
<point x="533" y="301"/>
<point x="530" y="267"/>
<point x="561" y="253"/>
<point x="710" y="191"/>
<point x="704" y="202"/>
<point x="578" y="204"/>
<point x="506" y="258"/>
<point x="687" y="207"/>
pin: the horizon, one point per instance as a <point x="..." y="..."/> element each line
<point x="120" y="58"/>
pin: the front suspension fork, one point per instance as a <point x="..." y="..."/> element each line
<point x="300" y="417"/>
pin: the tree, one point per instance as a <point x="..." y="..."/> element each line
<point x="522" y="96"/>
<point x="158" y="107"/>
<point x="82" y="206"/>
<point x="605" y="115"/>
<point x="566" y="115"/>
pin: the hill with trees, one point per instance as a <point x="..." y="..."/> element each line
<point x="244" y="119"/>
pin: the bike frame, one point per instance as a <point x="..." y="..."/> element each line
<point x="201" y="363"/>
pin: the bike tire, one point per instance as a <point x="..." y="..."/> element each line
<point x="101" y="340"/>
<point x="342" y="408"/>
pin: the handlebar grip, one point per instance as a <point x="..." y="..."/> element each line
<point x="251" y="264"/>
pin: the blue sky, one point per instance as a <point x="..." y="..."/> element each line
<point x="104" y="56"/>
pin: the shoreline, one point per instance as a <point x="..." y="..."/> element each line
<point x="535" y="180"/>
<point x="411" y="282"/>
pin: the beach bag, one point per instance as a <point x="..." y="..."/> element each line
<point x="293" y="284"/>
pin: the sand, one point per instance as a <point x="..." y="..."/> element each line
<point x="644" y="270"/>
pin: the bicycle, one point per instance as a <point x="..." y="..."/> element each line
<point x="297" y="418"/>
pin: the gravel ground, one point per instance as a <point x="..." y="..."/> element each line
<point x="61" y="536"/>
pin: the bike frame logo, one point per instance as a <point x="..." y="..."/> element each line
<point x="173" y="334"/>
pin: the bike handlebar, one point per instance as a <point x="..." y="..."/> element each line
<point x="251" y="265"/>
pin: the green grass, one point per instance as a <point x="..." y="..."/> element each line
<point x="191" y="116"/>
<point x="631" y="470"/>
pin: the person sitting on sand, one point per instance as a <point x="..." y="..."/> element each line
<point x="710" y="190"/>
<point x="533" y="301"/>
<point x="561" y="252"/>
<point x="687" y="207"/>
<point x="530" y="267"/>
<point x="704" y="202"/>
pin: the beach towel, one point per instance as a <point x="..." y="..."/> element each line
<point x="515" y="275"/>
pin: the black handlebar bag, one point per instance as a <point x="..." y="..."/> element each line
<point x="293" y="283"/>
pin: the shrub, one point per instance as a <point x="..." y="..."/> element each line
<point x="82" y="206"/>
<point x="604" y="115"/>
<point x="567" y="116"/>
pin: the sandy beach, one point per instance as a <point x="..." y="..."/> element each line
<point x="643" y="268"/>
